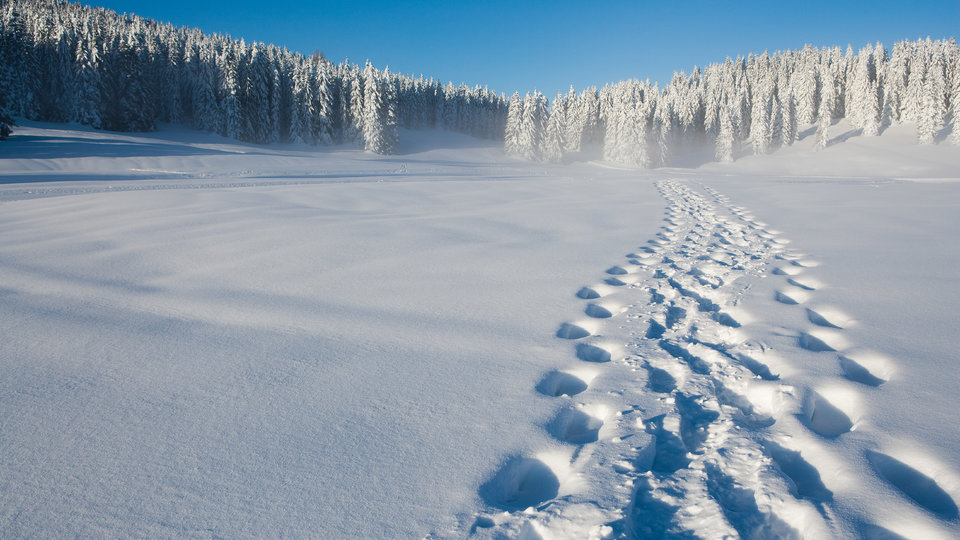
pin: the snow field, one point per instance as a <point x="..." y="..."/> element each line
<point x="262" y="340"/>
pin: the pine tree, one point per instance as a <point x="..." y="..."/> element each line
<point x="790" y="120"/>
<point x="640" y="122"/>
<point x="725" y="137"/>
<point x="88" y="86"/>
<point x="554" y="143"/>
<point x="322" y="107"/>
<point x="870" y="113"/>
<point x="511" y="137"/>
<point x="533" y="125"/>
<point x="825" y="112"/>
<point x="930" y="118"/>
<point x="760" y="125"/>
<point x="379" y="118"/>
<point x="301" y="114"/>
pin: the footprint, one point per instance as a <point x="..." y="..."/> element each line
<point x="787" y="270"/>
<point x="617" y="271"/>
<point x="821" y="341"/>
<point x="914" y="484"/>
<point x="669" y="453"/>
<point x="598" y="311"/>
<point x="725" y="319"/>
<point x="739" y="506"/>
<point x="757" y="368"/>
<point x="588" y="293"/>
<point x="675" y="314"/>
<point x="520" y="483"/>
<point x="592" y="353"/>
<point x="574" y="425"/>
<point x="806" y="283"/>
<point x="791" y="297"/>
<point x="866" y="367"/>
<point x="572" y="331"/>
<point x="824" y="417"/>
<point x="695" y="420"/>
<point x="828" y="317"/>
<point x="655" y="330"/>
<point x="660" y="380"/>
<point x="678" y="351"/>
<point x="805" y="477"/>
<point x="561" y="383"/>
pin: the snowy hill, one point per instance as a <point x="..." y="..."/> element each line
<point x="208" y="338"/>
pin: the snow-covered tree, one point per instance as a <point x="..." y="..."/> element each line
<point x="511" y="137"/>
<point x="554" y="143"/>
<point x="930" y="115"/>
<point x="379" y="113"/>
<point x="725" y="137"/>
<point x="825" y="113"/>
<point x="789" y="120"/>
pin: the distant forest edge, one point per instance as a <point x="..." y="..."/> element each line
<point x="65" y="62"/>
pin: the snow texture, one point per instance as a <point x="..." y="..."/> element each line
<point x="207" y="338"/>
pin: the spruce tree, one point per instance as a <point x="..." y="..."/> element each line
<point x="930" y="119"/>
<point x="554" y="143"/>
<point x="725" y="137"/>
<point x="379" y="115"/>
<point x="511" y="136"/>
<point x="825" y="112"/>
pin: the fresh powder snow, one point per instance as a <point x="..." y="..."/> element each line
<point x="203" y="337"/>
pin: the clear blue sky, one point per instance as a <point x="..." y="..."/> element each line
<point x="548" y="46"/>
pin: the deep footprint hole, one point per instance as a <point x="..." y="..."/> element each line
<point x="857" y="373"/>
<point x="559" y="383"/>
<point x="824" y="417"/>
<point x="598" y="312"/>
<point x="805" y="477"/>
<point x="575" y="426"/>
<point x="914" y="484"/>
<point x="572" y="331"/>
<point x="660" y="380"/>
<point x="588" y="293"/>
<point x="813" y="343"/>
<point x="522" y="482"/>
<point x="592" y="353"/>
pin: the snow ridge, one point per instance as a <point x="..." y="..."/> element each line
<point x="681" y="415"/>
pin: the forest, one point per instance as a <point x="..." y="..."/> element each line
<point x="66" y="62"/>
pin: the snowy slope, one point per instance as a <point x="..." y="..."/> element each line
<point x="205" y="338"/>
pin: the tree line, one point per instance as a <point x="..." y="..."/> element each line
<point x="755" y="104"/>
<point x="65" y="62"/>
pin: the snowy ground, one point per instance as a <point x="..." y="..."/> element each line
<point x="205" y="338"/>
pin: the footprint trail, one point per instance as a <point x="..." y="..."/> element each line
<point x="681" y="415"/>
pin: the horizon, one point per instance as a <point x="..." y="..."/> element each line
<point x="616" y="46"/>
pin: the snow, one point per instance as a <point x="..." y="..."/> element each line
<point x="208" y="338"/>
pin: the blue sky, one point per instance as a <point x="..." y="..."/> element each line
<point x="548" y="46"/>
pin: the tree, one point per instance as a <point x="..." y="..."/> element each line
<point x="760" y="124"/>
<point x="379" y="118"/>
<point x="930" y="117"/>
<point x="725" y="137"/>
<point x="554" y="143"/>
<point x="88" y="86"/>
<point x="825" y="113"/>
<point x="511" y="137"/>
<point x="789" y="120"/>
